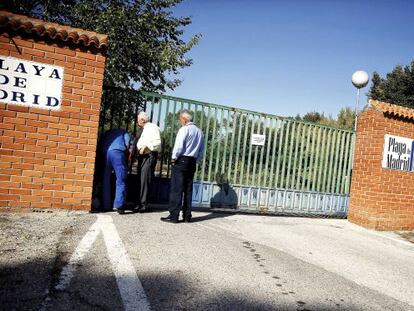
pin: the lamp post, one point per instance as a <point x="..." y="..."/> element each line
<point x="359" y="80"/>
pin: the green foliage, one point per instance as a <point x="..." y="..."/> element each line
<point x="313" y="117"/>
<point x="145" y="45"/>
<point x="397" y="88"/>
<point x="344" y="120"/>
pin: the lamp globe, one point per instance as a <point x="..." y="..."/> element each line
<point x="360" y="79"/>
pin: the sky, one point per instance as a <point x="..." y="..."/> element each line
<point x="291" y="57"/>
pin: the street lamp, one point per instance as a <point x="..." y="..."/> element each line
<point x="359" y="80"/>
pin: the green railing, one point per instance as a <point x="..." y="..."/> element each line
<point x="296" y="155"/>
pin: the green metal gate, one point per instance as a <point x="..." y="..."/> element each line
<point x="301" y="168"/>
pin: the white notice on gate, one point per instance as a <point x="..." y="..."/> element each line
<point x="258" y="139"/>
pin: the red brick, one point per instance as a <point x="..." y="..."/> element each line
<point x="65" y="52"/>
<point x="7" y="47"/>
<point x="46" y="156"/>
<point x="54" y="166"/>
<point x="24" y="128"/>
<point x="74" y="72"/>
<point x="23" y="43"/>
<point x="18" y="55"/>
<point x="7" y="113"/>
<point x="64" y="64"/>
<point x="76" y="60"/>
<point x="6" y="126"/>
<point x="9" y="184"/>
<point x="93" y="75"/>
<point x="34" y="148"/>
<point x="4" y="177"/>
<point x="43" y="47"/>
<point x="86" y="55"/>
<point x="31" y="185"/>
<point x="56" y="56"/>
<point x="43" y="59"/>
<point x="41" y="205"/>
<point x="85" y="68"/>
<point x="48" y="118"/>
<point x="47" y="131"/>
<point x="379" y="197"/>
<point x="32" y="160"/>
<point x="81" y="79"/>
<point x="75" y="85"/>
<point x="29" y="51"/>
<point x="17" y="108"/>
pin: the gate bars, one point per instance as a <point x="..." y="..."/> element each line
<point x="303" y="167"/>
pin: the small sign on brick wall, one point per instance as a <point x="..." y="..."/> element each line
<point x="30" y="84"/>
<point x="398" y="153"/>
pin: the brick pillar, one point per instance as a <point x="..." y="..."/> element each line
<point x="381" y="198"/>
<point x="47" y="155"/>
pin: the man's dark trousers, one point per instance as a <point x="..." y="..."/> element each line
<point x="182" y="184"/>
<point x="146" y="168"/>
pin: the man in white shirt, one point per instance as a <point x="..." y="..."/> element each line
<point x="148" y="146"/>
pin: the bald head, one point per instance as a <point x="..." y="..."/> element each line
<point x="142" y="118"/>
<point x="186" y="116"/>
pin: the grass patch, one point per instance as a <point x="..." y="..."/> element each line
<point x="408" y="235"/>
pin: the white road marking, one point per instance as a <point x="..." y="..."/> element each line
<point x="130" y="287"/>
<point x="83" y="248"/>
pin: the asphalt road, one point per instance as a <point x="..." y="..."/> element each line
<point x="218" y="262"/>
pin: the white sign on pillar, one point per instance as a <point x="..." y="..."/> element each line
<point x="30" y="84"/>
<point x="398" y="153"/>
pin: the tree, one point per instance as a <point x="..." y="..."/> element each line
<point x="344" y="120"/>
<point x="145" y="46"/>
<point x="313" y="117"/>
<point x="397" y="88"/>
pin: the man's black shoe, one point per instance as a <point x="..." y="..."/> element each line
<point x="140" y="209"/>
<point x="120" y="211"/>
<point x="143" y="209"/>
<point x="97" y="211"/>
<point x="187" y="219"/>
<point x="169" y="219"/>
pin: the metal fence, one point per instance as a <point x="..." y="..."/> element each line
<point x="302" y="167"/>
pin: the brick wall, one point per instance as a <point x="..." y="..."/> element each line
<point x="47" y="157"/>
<point x="381" y="199"/>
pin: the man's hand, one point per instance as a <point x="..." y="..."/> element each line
<point x="172" y="161"/>
<point x="142" y="150"/>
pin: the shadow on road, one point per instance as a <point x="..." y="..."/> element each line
<point x="210" y="216"/>
<point x="173" y="290"/>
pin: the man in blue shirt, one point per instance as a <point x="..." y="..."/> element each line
<point x="188" y="150"/>
<point x="115" y="144"/>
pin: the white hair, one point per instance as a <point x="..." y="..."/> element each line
<point x="186" y="114"/>
<point x="143" y="116"/>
